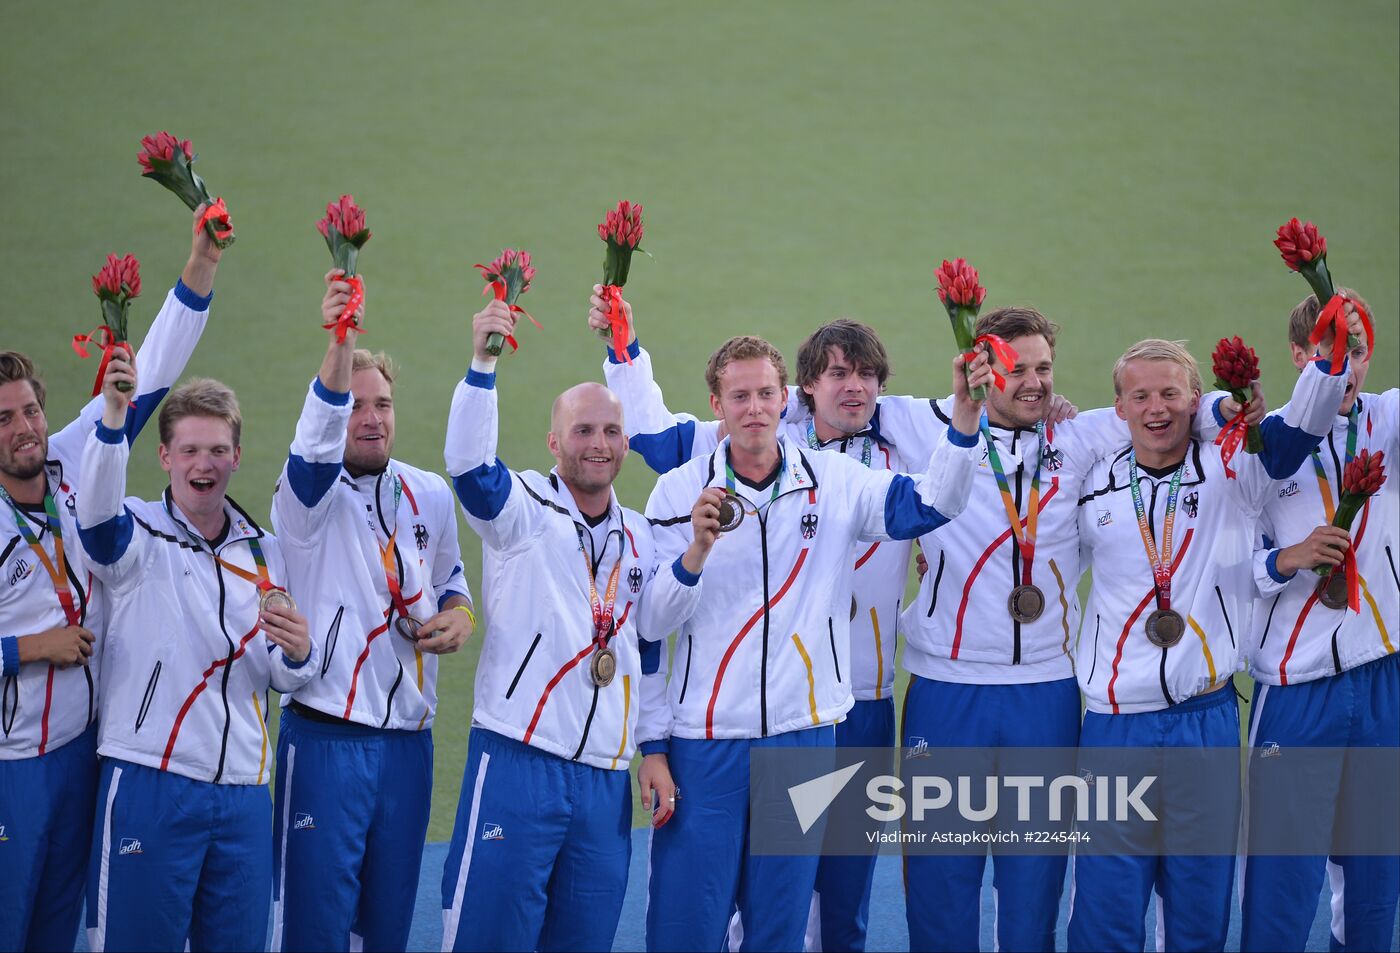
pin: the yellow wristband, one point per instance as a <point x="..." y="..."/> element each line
<point x="470" y="614"/>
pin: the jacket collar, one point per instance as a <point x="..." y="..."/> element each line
<point x="240" y="525"/>
<point x="565" y="499"/>
<point x="796" y="472"/>
<point x="1191" y="476"/>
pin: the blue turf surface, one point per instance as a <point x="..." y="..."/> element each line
<point x="887" y="929"/>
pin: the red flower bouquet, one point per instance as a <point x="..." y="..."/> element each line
<point x="962" y="294"/>
<point x="508" y="277"/>
<point x="1304" y="250"/>
<point x="115" y="285"/>
<point x="1236" y="369"/>
<point x="621" y="230"/>
<point x="344" y="230"/>
<point x="1361" y="479"/>
<point x="170" y="162"/>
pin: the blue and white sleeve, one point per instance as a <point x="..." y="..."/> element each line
<point x="896" y="506"/>
<point x="664" y="440"/>
<point x="301" y="499"/>
<point x="1289" y="438"/>
<point x="105" y="523"/>
<point x="483" y="484"/>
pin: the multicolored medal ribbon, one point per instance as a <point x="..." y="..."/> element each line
<point x="345" y="233"/>
<point x="508" y="277"/>
<point x="731" y="510"/>
<point x="57" y="568"/>
<point x="866" y="450"/>
<point x="622" y="230"/>
<point x="1027" y="601"/>
<point x="603" y="665"/>
<point x="1165" y="626"/>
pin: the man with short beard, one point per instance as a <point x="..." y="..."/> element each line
<point x="200" y="635"/>
<point x="372" y="559"/>
<point x="52" y="617"/>
<point x="1169" y="537"/>
<point x="1325" y="676"/>
<point x="568" y="663"/>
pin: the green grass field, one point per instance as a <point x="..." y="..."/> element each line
<point x="1120" y="166"/>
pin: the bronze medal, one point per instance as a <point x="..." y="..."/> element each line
<point x="1165" y="627"/>
<point x="731" y="512"/>
<point x="1026" y="603"/>
<point x="279" y="598"/>
<point x="603" y="667"/>
<point x="408" y="627"/>
<point x="1332" y="591"/>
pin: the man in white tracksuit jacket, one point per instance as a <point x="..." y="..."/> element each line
<point x="763" y="642"/>
<point x="198" y="638"/>
<point x="569" y="661"/>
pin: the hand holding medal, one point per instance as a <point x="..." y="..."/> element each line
<point x="283" y="625"/>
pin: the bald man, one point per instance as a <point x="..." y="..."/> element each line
<point x="542" y="841"/>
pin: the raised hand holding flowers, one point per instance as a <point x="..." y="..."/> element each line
<point x="1236" y="369"/>
<point x="962" y="294"/>
<point x="621" y="229"/>
<point x="508" y="277"/>
<point x="116" y="284"/>
<point x="1304" y="250"/>
<point x="170" y="161"/>
<point x="345" y="233"/>
<point x="1361" y="479"/>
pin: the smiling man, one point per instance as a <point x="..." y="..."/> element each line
<point x="200" y="636"/>
<point x="762" y="652"/>
<point x="52" y="619"/>
<point x="373" y="560"/>
<point x="1170" y="540"/>
<point x="569" y="662"/>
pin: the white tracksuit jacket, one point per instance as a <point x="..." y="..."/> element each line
<point x="332" y="527"/>
<point x="762" y="644"/>
<point x="1294" y="637"/>
<point x="43" y="707"/>
<point x="881" y="567"/>
<point x="1119" y="670"/>
<point x="533" y="682"/>
<point x="187" y="670"/>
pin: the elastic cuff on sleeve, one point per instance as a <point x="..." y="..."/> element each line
<point x="476" y="378"/>
<point x="959" y="439"/>
<point x="1325" y="366"/>
<point x="634" y="350"/>
<point x="660" y="746"/>
<point x="294" y="665"/>
<point x="195" y="302"/>
<point x="9" y="655"/>
<point x="1220" y="420"/>
<point x="332" y="397"/>
<point x="684" y="576"/>
<point x="108" y="435"/>
<point x="1271" y="563"/>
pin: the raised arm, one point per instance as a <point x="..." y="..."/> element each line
<point x="105" y="524"/>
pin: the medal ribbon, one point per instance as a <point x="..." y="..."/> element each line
<point x="1025" y="534"/>
<point x="617" y="321"/>
<point x="815" y="444"/>
<point x="1334" y="316"/>
<point x="1329" y="508"/>
<point x="259" y="578"/>
<point x="346" y="321"/>
<point x="388" y="555"/>
<point x="1161" y="565"/>
<point x="58" y="574"/>
<point x="602" y="609"/>
<point x="730" y="481"/>
<point x="105" y="339"/>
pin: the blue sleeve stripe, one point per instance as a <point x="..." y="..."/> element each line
<point x="290" y="664"/>
<point x="9" y="656"/>
<point x="108" y="540"/>
<point x="662" y="746"/>
<point x="959" y="439"/>
<point x="1286" y="447"/>
<point x="195" y="302"/>
<point x="481" y="379"/>
<point x="142" y="409"/>
<point x="668" y="449"/>
<point x="333" y="397"/>
<point x="484" y="490"/>
<point x="1271" y="563"/>
<point x="310" y="481"/>
<point x="108" y="435"/>
<point x="684" y="576"/>
<point x="1220" y="420"/>
<point x="651" y="656"/>
<point x="634" y="351"/>
<point x="906" y="516"/>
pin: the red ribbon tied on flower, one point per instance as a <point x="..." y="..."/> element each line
<point x="105" y="339"/>
<point x="1334" y="316"/>
<point x="346" y="321"/>
<point x="617" y="322"/>
<point x="1002" y="351"/>
<point x="217" y="212"/>
<point x="1229" y="441"/>
<point x="498" y="288"/>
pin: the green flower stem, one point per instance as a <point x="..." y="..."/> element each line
<point x="1347" y="509"/>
